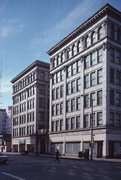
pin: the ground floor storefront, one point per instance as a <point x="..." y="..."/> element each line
<point x="29" y="144"/>
<point x="73" y="143"/>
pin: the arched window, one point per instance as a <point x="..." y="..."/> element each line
<point x="78" y="46"/>
<point x="62" y="57"/>
<point x="58" y="60"/>
<point x="87" y="41"/>
<point x="100" y="33"/>
<point x="68" y="53"/>
<point x="112" y="31"/>
<point x="73" y="50"/>
<point x="93" y="38"/>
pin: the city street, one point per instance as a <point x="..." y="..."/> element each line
<point x="39" y="168"/>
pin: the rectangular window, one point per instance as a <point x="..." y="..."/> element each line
<point x="61" y="91"/>
<point x="87" y="62"/>
<point x="58" y="77"/>
<point x="86" y="121"/>
<point x="111" y="97"/>
<point x="53" y="94"/>
<point x="111" y="54"/>
<point x="99" y="118"/>
<point x="117" y="57"/>
<point x="61" y="124"/>
<point x="100" y="55"/>
<point x="68" y="124"/>
<point x="78" y="103"/>
<point x="117" y="98"/>
<point x="57" y="125"/>
<point x="78" y="85"/>
<point x="92" y="100"/>
<point x="53" y="126"/>
<point x="93" y="79"/>
<point x="118" y="121"/>
<point x="99" y="98"/>
<point x="69" y="71"/>
<point x="77" y="122"/>
<point x="86" y="81"/>
<point x="73" y="123"/>
<point x="73" y="87"/>
<point x="68" y="106"/>
<point x="78" y="66"/>
<point x="57" y="93"/>
<point x="112" y="76"/>
<point x="61" y="75"/>
<point x="86" y="101"/>
<point x="112" y="119"/>
<point x="61" y="108"/>
<point x="118" y="78"/>
<point x="99" y="76"/>
<point x="93" y="58"/>
<point x="74" y="68"/>
<point x="68" y="88"/>
<point x="57" y="109"/>
<point x="73" y="105"/>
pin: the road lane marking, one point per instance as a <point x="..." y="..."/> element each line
<point x="13" y="176"/>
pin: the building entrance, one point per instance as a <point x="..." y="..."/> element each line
<point x="99" y="149"/>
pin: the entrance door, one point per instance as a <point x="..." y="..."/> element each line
<point x="22" y="147"/>
<point x="99" y="149"/>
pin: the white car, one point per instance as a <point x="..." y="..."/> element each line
<point x="3" y="158"/>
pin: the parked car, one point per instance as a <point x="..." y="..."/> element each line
<point x="3" y="158"/>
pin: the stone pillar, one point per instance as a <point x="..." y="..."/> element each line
<point x="26" y="147"/>
<point x="81" y="146"/>
<point x="105" y="148"/>
<point x="64" y="147"/>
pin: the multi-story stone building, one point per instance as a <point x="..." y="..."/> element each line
<point x="86" y="82"/>
<point x="30" y="108"/>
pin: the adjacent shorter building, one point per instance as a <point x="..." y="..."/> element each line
<point x="30" y="108"/>
<point x="85" y="87"/>
<point x="5" y="129"/>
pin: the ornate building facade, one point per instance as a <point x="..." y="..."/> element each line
<point x="85" y="87"/>
<point x="30" y="108"/>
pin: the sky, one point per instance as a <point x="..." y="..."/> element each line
<point x="29" y="28"/>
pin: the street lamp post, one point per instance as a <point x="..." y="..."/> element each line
<point x="91" y="124"/>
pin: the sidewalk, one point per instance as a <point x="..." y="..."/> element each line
<point x="67" y="157"/>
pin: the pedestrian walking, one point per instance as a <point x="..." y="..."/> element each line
<point x="57" y="158"/>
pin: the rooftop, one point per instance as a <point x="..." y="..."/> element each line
<point x="30" y="67"/>
<point x="106" y="9"/>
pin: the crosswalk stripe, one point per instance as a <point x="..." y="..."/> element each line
<point x="13" y="176"/>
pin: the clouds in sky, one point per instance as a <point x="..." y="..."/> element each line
<point x="66" y="25"/>
<point x="11" y="26"/>
<point x="6" y="86"/>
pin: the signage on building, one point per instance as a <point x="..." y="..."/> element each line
<point x="22" y="141"/>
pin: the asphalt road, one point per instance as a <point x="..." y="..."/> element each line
<point x="40" y="168"/>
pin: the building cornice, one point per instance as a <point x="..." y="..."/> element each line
<point x="105" y="10"/>
<point x="29" y="68"/>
